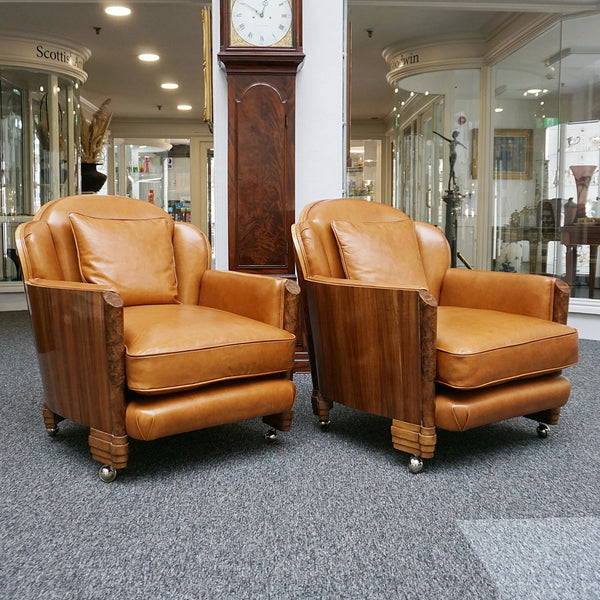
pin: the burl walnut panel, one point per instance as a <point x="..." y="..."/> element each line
<point x="79" y="338"/>
<point x="375" y="348"/>
<point x="261" y="173"/>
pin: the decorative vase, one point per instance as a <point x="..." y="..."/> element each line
<point x="91" y="179"/>
<point x="583" y="175"/>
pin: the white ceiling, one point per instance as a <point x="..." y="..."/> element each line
<point x="173" y="29"/>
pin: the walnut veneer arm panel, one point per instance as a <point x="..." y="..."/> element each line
<point x="562" y="292"/>
<point x="78" y="330"/>
<point x="518" y="293"/>
<point x="374" y="347"/>
<point x="272" y="300"/>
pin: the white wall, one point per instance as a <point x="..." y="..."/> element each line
<point x="320" y="102"/>
<point x="320" y="153"/>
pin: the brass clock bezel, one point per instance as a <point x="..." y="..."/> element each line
<point x="233" y="42"/>
<point x="237" y="41"/>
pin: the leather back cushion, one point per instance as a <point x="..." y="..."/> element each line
<point x="381" y="252"/>
<point x="134" y="256"/>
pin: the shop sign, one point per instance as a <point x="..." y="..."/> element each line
<point x="52" y="55"/>
<point x="409" y="58"/>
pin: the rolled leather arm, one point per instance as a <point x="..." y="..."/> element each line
<point x="374" y="346"/>
<point x="518" y="293"/>
<point x="78" y="329"/>
<point x="272" y="300"/>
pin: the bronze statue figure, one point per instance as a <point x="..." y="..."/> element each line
<point x="453" y="143"/>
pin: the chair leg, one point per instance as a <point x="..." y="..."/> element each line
<point x="321" y="408"/>
<point x="281" y="421"/>
<point x="111" y="450"/>
<point x="51" y="420"/>
<point x="415" y="439"/>
<point x="549" y="416"/>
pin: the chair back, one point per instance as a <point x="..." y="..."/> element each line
<point x="317" y="248"/>
<point x="47" y="246"/>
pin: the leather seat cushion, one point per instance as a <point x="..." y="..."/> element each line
<point x="478" y="348"/>
<point x="172" y="347"/>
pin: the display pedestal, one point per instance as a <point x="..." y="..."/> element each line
<point x="452" y="198"/>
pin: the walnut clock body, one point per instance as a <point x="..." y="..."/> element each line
<point x="261" y="50"/>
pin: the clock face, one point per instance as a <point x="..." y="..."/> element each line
<point x="261" y="22"/>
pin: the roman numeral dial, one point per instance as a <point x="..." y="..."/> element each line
<point x="261" y="22"/>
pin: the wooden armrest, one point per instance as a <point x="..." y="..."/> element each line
<point x="272" y="300"/>
<point x="374" y="347"/>
<point x="518" y="293"/>
<point x="78" y="329"/>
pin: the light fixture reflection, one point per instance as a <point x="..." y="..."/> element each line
<point x="148" y="57"/>
<point x="117" y="11"/>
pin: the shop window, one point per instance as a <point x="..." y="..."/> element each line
<point x="546" y="213"/>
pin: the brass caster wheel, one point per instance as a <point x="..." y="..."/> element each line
<point x="107" y="473"/>
<point x="543" y="430"/>
<point x="52" y="431"/>
<point x="271" y="436"/>
<point x="324" y="424"/>
<point x="415" y="464"/>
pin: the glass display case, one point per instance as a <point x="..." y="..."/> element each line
<point x="546" y="208"/>
<point x="363" y="172"/>
<point x="140" y="171"/>
<point x="435" y="134"/>
<point x="38" y="150"/>
<point x="156" y="171"/>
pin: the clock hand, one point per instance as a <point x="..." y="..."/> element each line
<point x="252" y="8"/>
<point x="262" y="13"/>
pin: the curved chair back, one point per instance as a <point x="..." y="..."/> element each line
<point x="48" y="249"/>
<point x="317" y="248"/>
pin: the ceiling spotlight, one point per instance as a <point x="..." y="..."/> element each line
<point x="498" y="109"/>
<point x="184" y="107"/>
<point x="117" y="11"/>
<point x="148" y="57"/>
<point x="169" y="86"/>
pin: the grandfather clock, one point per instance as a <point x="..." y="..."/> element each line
<point x="261" y="50"/>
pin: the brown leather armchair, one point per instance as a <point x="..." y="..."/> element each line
<point x="394" y="331"/>
<point x="138" y="338"/>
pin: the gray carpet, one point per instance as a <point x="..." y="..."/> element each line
<point x="219" y="514"/>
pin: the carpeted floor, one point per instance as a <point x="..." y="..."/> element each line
<point x="218" y="514"/>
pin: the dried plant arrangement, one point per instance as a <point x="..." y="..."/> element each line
<point x="93" y="133"/>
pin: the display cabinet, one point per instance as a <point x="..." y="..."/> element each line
<point x="40" y="83"/>
<point x="156" y="171"/>
<point x="363" y="172"/>
<point x="38" y="151"/>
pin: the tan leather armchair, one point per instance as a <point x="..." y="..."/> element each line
<point x="394" y="331"/>
<point x="138" y="338"/>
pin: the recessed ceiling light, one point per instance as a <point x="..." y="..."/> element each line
<point x="148" y="57"/>
<point x="169" y="86"/>
<point x="117" y="11"/>
<point x="498" y="109"/>
<point x="184" y="107"/>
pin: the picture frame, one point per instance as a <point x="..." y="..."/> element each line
<point x="511" y="155"/>
<point x="207" y="66"/>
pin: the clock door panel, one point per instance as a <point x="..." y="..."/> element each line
<point x="261" y="183"/>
